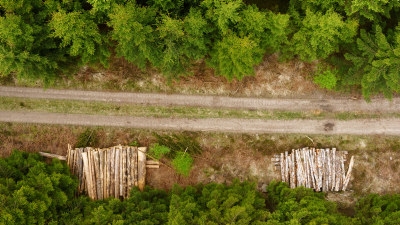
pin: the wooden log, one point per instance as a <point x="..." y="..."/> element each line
<point x="112" y="172"/>
<point x="135" y="166"/>
<point x="313" y="170"/>
<point x="338" y="172"/>
<point x="141" y="167"/>
<point x="307" y="161"/>
<point x="152" y="166"/>
<point x="81" y="175"/>
<point x="305" y="171"/>
<point x="86" y="170"/>
<point x="287" y="167"/>
<point x="98" y="174"/>
<point x="92" y="173"/>
<point x="348" y="175"/>
<point x="320" y="165"/>
<point x="69" y="155"/>
<point x="282" y="161"/>
<point x="72" y="162"/>
<point x="303" y="175"/>
<point x="109" y="175"/>
<point x="329" y="170"/>
<point x="298" y="168"/>
<point x="105" y="168"/>
<point x="152" y="162"/>
<point x="123" y="185"/>
<point x="292" y="171"/>
<point x="116" y="168"/>
<point x="128" y="170"/>
<point x="333" y="169"/>
<point x="343" y="169"/>
<point x="324" y="173"/>
<point x="120" y="170"/>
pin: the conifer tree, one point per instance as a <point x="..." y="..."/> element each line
<point x="377" y="62"/>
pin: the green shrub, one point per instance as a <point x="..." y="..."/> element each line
<point x="182" y="163"/>
<point x="185" y="141"/>
<point x="158" y="151"/>
<point x="326" y="79"/>
<point x="87" y="138"/>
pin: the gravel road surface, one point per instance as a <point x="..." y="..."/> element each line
<point x="361" y="127"/>
<point x="331" y="105"/>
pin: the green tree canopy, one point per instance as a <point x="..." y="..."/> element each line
<point x="320" y="35"/>
<point x="376" y="60"/>
<point x="80" y="35"/>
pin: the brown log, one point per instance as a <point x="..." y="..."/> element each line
<point x="152" y="166"/>
<point x="141" y="167"/>
<point x="128" y="171"/>
<point x="112" y="173"/>
<point x="313" y="168"/>
<point x="93" y="168"/>
<point x="123" y="184"/>
<point x="135" y="166"/>
<point x="105" y="184"/>
<point x="98" y="174"/>
<point x="348" y="175"/>
<point x="282" y="161"/>
<point x="81" y="174"/>
<point x="292" y="179"/>
<point x="338" y="172"/>
<point x="109" y="162"/>
<point x="333" y="169"/>
<point x="152" y="162"/>
<point x="53" y="156"/>
<point x="86" y="170"/>
<point x="286" y="167"/>
<point x="116" y="168"/>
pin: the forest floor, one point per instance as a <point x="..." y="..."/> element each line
<point x="232" y="147"/>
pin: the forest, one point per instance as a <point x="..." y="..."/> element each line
<point x="34" y="191"/>
<point x="355" y="44"/>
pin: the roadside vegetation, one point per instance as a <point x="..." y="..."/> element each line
<point x="354" y="44"/>
<point x="35" y="192"/>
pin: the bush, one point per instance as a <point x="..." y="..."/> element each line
<point x="87" y="138"/>
<point x="326" y="79"/>
<point x="186" y="141"/>
<point x="182" y="163"/>
<point x="158" y="151"/>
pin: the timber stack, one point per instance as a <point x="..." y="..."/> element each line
<point x="109" y="172"/>
<point x="319" y="169"/>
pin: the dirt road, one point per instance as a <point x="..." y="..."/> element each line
<point x="331" y="105"/>
<point x="362" y="127"/>
<point x="365" y="126"/>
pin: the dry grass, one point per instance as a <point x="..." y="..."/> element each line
<point x="224" y="156"/>
<point x="271" y="79"/>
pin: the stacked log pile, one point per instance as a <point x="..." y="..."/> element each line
<point x="319" y="169"/>
<point x="110" y="172"/>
